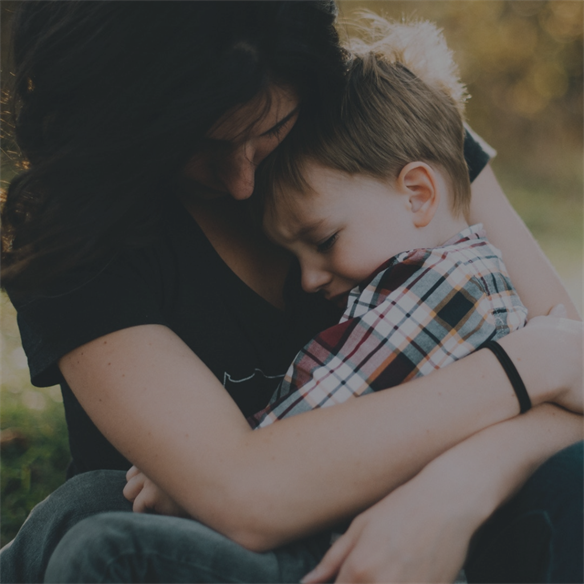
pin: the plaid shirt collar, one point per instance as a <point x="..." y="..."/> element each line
<point x="372" y="284"/>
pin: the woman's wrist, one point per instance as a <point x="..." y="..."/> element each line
<point x="512" y="374"/>
<point x="543" y="366"/>
<point x="477" y="476"/>
<point x="456" y="491"/>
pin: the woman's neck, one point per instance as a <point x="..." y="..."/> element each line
<point x="242" y="245"/>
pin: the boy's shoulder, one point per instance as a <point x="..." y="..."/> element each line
<point x="467" y="253"/>
<point x="466" y="260"/>
<point x="469" y="250"/>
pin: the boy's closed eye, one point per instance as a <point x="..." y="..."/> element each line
<point x="327" y="244"/>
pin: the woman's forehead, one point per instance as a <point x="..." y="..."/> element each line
<point x="257" y="117"/>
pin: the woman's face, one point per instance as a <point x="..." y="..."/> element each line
<point x="233" y="149"/>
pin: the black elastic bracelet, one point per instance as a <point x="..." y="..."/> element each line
<point x="512" y="374"/>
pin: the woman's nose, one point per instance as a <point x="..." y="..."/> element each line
<point x="314" y="279"/>
<point x="239" y="172"/>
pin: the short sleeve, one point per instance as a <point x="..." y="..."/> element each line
<point x="477" y="153"/>
<point x="84" y="306"/>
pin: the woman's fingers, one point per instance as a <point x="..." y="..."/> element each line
<point x="132" y="472"/>
<point x="146" y="497"/>
<point x="332" y="561"/>
<point x="144" y="501"/>
<point x="134" y="486"/>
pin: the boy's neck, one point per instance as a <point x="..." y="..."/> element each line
<point x="448" y="226"/>
<point x="443" y="226"/>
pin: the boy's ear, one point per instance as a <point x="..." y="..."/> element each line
<point x="418" y="181"/>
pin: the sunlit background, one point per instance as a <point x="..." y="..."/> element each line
<point x="522" y="63"/>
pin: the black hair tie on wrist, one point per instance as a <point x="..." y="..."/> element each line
<point x="512" y="374"/>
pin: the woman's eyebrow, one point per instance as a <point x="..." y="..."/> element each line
<point x="282" y="122"/>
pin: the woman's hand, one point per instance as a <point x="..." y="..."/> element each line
<point x="147" y="497"/>
<point x="416" y="534"/>
<point x="565" y="364"/>
<point x="548" y="356"/>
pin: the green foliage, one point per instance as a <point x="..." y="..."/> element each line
<point x="35" y="454"/>
<point x="522" y="63"/>
<point x="33" y="436"/>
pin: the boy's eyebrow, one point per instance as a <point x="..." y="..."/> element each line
<point x="307" y="228"/>
<point x="282" y="122"/>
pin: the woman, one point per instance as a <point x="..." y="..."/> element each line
<point x="141" y="162"/>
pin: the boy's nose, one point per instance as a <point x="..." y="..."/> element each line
<point x="239" y="173"/>
<point x="314" y="279"/>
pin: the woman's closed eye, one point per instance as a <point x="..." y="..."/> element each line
<point x="275" y="131"/>
<point x="327" y="244"/>
<point x="283" y="124"/>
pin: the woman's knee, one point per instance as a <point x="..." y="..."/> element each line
<point x="117" y="547"/>
<point x="131" y="547"/>
<point x="564" y="471"/>
<point x="537" y="536"/>
<point x="556" y="489"/>
<point x="126" y="547"/>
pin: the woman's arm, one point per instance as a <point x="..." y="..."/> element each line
<point x="165" y="411"/>
<point x="421" y="531"/>
<point x="534" y="278"/>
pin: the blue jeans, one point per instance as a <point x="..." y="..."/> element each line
<point x="536" y="537"/>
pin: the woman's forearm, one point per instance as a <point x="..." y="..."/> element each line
<point x="533" y="276"/>
<point x="414" y="423"/>
<point x="484" y="471"/>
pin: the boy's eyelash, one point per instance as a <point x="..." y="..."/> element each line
<point x="327" y="244"/>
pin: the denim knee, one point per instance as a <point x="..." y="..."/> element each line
<point x="126" y="547"/>
<point x="537" y="536"/>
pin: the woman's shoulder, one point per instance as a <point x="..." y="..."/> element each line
<point x="135" y="287"/>
<point x="477" y="152"/>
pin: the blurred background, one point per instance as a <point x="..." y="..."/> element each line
<point x="522" y="63"/>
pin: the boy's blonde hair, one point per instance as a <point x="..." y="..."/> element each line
<point x="402" y="102"/>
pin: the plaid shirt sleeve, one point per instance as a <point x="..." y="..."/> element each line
<point x="421" y="311"/>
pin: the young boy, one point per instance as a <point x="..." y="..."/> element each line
<point x="383" y="173"/>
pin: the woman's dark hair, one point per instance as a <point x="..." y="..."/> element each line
<point x="111" y="99"/>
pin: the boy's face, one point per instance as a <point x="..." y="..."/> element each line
<point x="342" y="231"/>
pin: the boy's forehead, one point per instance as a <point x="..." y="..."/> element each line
<point x="291" y="217"/>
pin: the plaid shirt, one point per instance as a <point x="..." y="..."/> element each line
<point x="420" y="311"/>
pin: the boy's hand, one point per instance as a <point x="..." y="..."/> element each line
<point x="147" y="497"/>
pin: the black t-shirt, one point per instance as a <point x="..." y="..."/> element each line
<point x="180" y="282"/>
